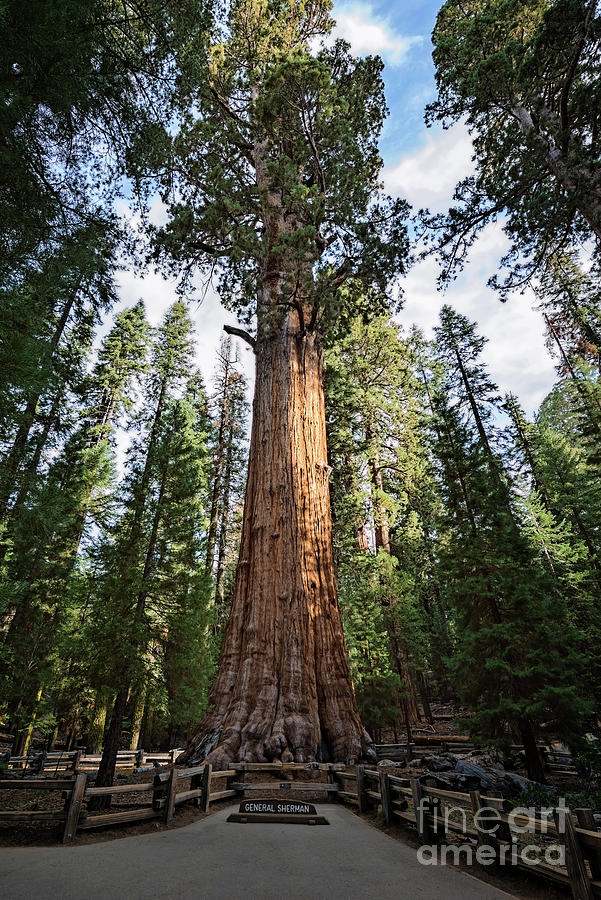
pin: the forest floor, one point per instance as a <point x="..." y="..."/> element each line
<point x="40" y="835"/>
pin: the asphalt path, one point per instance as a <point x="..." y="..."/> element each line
<point x="214" y="860"/>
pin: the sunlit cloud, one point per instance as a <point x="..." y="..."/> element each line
<point x="427" y="177"/>
<point x="370" y="34"/>
<point x="515" y="353"/>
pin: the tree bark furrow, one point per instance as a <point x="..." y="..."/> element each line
<point x="283" y="690"/>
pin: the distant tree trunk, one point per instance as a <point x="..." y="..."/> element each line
<point x="283" y="690"/>
<point x="424" y="694"/>
<point x="20" y="742"/>
<point x="72" y="737"/>
<point x="401" y="661"/>
<point x="148" y="723"/>
<point x="224" y="524"/>
<point x="220" y="454"/>
<point x="136" y="720"/>
<point x="362" y="538"/>
<point x="172" y="735"/>
<point x="97" y="722"/>
<point x="398" y="645"/>
<point x="474" y="406"/>
<point x="23" y="736"/>
<point x="534" y="763"/>
<point x="52" y="739"/>
<point x="381" y="527"/>
<point x="112" y="740"/>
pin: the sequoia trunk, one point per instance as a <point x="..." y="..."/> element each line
<point x="283" y="691"/>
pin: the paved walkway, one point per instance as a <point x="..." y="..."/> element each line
<point x="214" y="860"/>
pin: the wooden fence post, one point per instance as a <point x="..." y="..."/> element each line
<point x="579" y="880"/>
<point x="361" y="788"/>
<point x="237" y="775"/>
<point x="386" y="794"/>
<point x="159" y="790"/>
<point x="331" y="780"/>
<point x="172" y="756"/>
<point x="241" y="773"/>
<point x="476" y="802"/>
<point x="423" y="829"/>
<point x="171" y="791"/>
<point x="76" y="760"/>
<point x="502" y="832"/>
<point x="586" y="820"/>
<point x="139" y="759"/>
<point x="195" y="784"/>
<point x="206" y="787"/>
<point x="73" y="807"/>
<point x="42" y="762"/>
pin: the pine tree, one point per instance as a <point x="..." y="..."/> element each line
<point x="561" y="515"/>
<point x="46" y="535"/>
<point x="372" y="399"/>
<point x="130" y="555"/>
<point x="517" y="659"/>
<point x="185" y="591"/>
<point x="70" y="290"/>
<point x="228" y="467"/>
<point x="570" y="300"/>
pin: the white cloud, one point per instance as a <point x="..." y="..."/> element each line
<point x="427" y="177"/>
<point x="515" y="354"/>
<point x="208" y="317"/>
<point x="368" y="33"/>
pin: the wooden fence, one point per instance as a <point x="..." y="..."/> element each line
<point x="206" y="786"/>
<point x="44" y="763"/>
<point x="427" y="809"/>
<point x="60" y="762"/>
<point x="431" y="811"/>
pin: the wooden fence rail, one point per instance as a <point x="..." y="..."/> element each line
<point x="58" y="762"/>
<point x="44" y="763"/>
<point x="433" y="812"/>
<point x="424" y="808"/>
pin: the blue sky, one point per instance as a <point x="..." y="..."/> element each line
<point x="422" y="165"/>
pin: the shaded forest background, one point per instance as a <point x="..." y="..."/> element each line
<point x="467" y="535"/>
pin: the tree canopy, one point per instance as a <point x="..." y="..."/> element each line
<point x="524" y="77"/>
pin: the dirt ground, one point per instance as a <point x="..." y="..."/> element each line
<point x="41" y="835"/>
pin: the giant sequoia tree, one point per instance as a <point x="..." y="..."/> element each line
<point x="280" y="196"/>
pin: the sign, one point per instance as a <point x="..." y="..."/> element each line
<point x="278" y="807"/>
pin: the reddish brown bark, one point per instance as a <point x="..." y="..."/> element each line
<point x="283" y="690"/>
